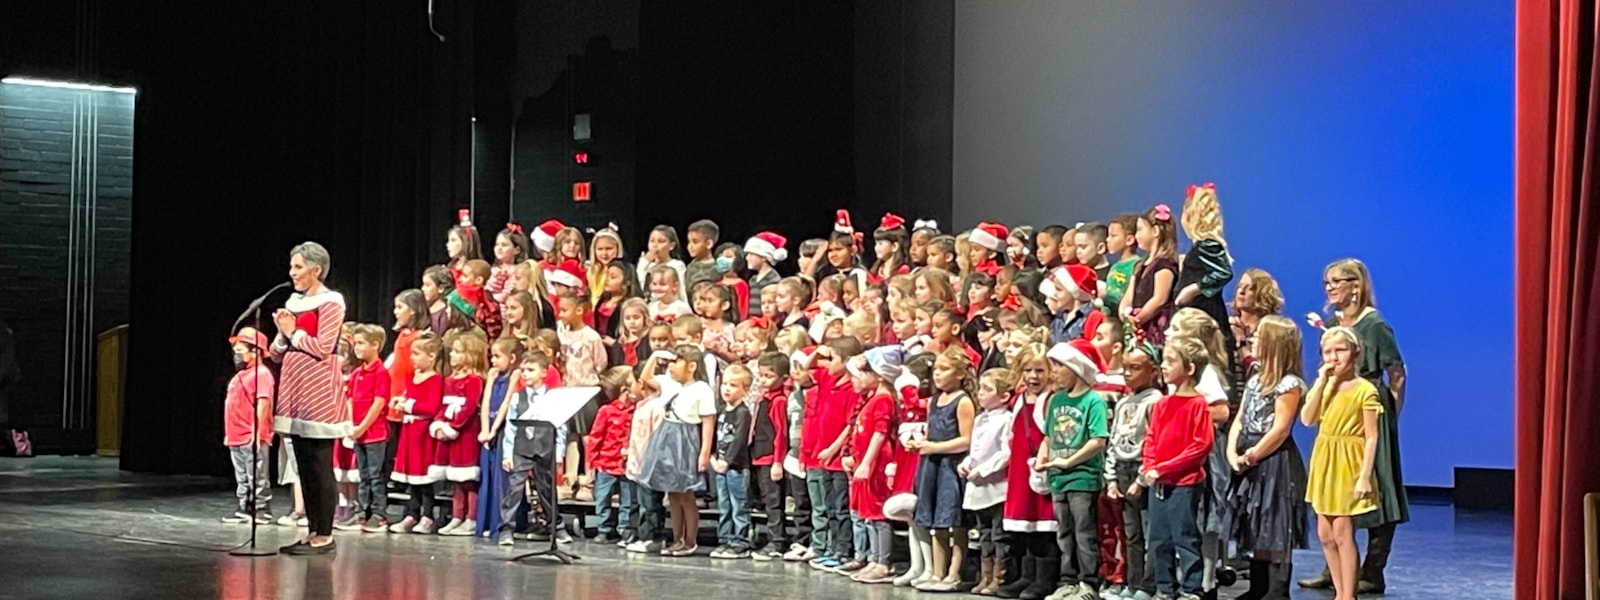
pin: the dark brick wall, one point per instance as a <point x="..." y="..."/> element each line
<point x="66" y="174"/>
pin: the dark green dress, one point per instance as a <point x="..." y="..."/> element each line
<point x="1379" y="352"/>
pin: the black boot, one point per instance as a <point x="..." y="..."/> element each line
<point x="1046" y="571"/>
<point x="1278" y="585"/>
<point x="1380" y="540"/>
<point x="1258" y="581"/>
<point x="1025" y="568"/>
<point x="1322" y="581"/>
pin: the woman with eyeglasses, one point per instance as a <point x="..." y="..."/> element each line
<point x="1350" y="296"/>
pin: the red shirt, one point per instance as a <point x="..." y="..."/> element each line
<point x="369" y="384"/>
<point x="243" y="390"/>
<point x="1178" y="440"/>
<point x="836" y="403"/>
<point x="809" y="435"/>
<point x="399" y="367"/>
<point x="608" y="438"/>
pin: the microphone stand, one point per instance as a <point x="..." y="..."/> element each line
<point x="254" y="311"/>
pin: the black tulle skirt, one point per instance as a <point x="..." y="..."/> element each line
<point x="1265" y="512"/>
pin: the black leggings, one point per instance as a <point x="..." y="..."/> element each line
<point x="314" y="459"/>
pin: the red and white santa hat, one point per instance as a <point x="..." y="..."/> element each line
<point x="544" y="237"/>
<point x="990" y="235"/>
<point x="891" y="221"/>
<point x="767" y="245"/>
<point x="1075" y="279"/>
<point x="567" y="273"/>
<point x="841" y="222"/>
<point x="1079" y="356"/>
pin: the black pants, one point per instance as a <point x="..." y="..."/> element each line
<point x="993" y="540"/>
<point x="802" y="508"/>
<point x="772" y="500"/>
<point x="1135" y="513"/>
<point x="390" y="448"/>
<point x="1077" y="534"/>
<point x="421" y="503"/>
<point x="314" y="459"/>
<point x="836" y="488"/>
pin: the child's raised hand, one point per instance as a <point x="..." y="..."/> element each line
<point x="1325" y="371"/>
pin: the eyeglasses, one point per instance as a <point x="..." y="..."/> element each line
<point x="1336" y="281"/>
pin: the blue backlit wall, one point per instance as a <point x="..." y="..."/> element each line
<point x="1367" y="129"/>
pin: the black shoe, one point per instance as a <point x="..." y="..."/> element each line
<point x="1369" y="587"/>
<point x="305" y="549"/>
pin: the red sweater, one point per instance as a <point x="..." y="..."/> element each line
<point x="1178" y="440"/>
<point x="774" y="407"/>
<point x="836" y="403"/>
<point x="608" y="438"/>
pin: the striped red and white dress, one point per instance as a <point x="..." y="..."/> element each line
<point x="310" y="389"/>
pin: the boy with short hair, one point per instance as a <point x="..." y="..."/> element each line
<point x="248" y="405"/>
<point x="702" y="265"/>
<point x="369" y="395"/>
<point x="1073" y="452"/>
<point x="1121" y="244"/>
<point x="470" y="287"/>
<point x="730" y="459"/>
<point x="836" y="399"/>
<point x="1124" y="456"/>
<point x="1173" y="469"/>
<point x="528" y="447"/>
<point x="606" y="448"/>
<point x="769" y="449"/>
<point x="1089" y="242"/>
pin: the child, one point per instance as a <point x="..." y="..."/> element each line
<point x="1265" y="516"/>
<point x="712" y="304"/>
<point x="632" y="333"/>
<point x="606" y="442"/>
<point x="605" y="247"/>
<point x="1124" y="456"/>
<point x="461" y="244"/>
<point x="680" y="451"/>
<point x="914" y="387"/>
<point x="648" y="416"/>
<point x="1049" y="242"/>
<point x="769" y="446"/>
<point x="581" y="346"/>
<point x="1173" y="470"/>
<point x="456" y="427"/>
<point x="808" y="256"/>
<point x="618" y="287"/>
<point x="803" y="412"/>
<point x="505" y="356"/>
<point x="932" y="284"/>
<point x="922" y="233"/>
<point x="1020" y="249"/>
<point x="939" y="485"/>
<point x="510" y="249"/>
<point x="1029" y="512"/>
<point x="988" y="242"/>
<point x="526" y="448"/>
<point x="863" y="326"/>
<point x="941" y="253"/>
<point x="410" y="320"/>
<point x="1124" y="252"/>
<point x="666" y="295"/>
<point x="369" y="397"/>
<point x="1089" y="246"/>
<point x="520" y="316"/>
<point x="247" y="427"/>
<point x="762" y="254"/>
<point x="1073" y="453"/>
<point x="752" y="338"/>
<point x="529" y="277"/>
<point x="1112" y="387"/>
<point x="544" y="238"/>
<point x="945" y="332"/>
<point x="792" y="296"/>
<point x="1069" y="293"/>
<point x="346" y="475"/>
<point x="730" y="264"/>
<point x="835" y="397"/>
<point x="413" y="463"/>
<point x="569" y="248"/>
<point x="1150" y="304"/>
<point x="889" y="243"/>
<point x="1207" y="267"/>
<point x="437" y="283"/>
<point x="985" y="472"/>
<point x="769" y="304"/>
<point x="703" y="235"/>
<point x="867" y="458"/>
<point x="469" y="286"/>
<point x="1344" y="408"/>
<point x="731" y="461"/>
<point x="660" y="251"/>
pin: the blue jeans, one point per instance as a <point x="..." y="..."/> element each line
<point x="613" y="520"/>
<point x="372" y="499"/>
<point x="861" y="534"/>
<point x="819" y="512"/>
<point x="733" y="501"/>
<point x="652" y="514"/>
<point x="1174" y="537"/>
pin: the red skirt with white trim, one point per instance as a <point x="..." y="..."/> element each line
<point x="413" y="459"/>
<point x="344" y="463"/>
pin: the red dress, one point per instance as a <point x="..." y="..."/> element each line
<point x="456" y="428"/>
<point x="1025" y="510"/>
<point x="913" y="416"/>
<point x="344" y="458"/>
<point x="413" y="458"/>
<point x="875" y="417"/>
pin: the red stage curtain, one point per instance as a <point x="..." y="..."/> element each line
<point x="1558" y="320"/>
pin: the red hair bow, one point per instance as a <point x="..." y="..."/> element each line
<point x="465" y="217"/>
<point x="666" y="318"/>
<point x="759" y="322"/>
<point x="514" y="228"/>
<point x="1012" y="303"/>
<point x="1163" y="212"/>
<point x="892" y="221"/>
<point x="1195" y="188"/>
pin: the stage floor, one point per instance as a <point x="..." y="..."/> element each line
<point x="79" y="528"/>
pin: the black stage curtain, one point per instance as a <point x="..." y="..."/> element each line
<point x="265" y="124"/>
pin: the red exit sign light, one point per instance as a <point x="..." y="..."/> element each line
<point x="580" y="191"/>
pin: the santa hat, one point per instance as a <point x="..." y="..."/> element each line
<point x="883" y="361"/>
<point x="544" y="237"/>
<point x="767" y="245"/>
<point x="990" y="235"/>
<point x="567" y="273"/>
<point x="891" y="221"/>
<point x="1079" y="356"/>
<point x="1092" y="324"/>
<point x="249" y="336"/>
<point x="1079" y="281"/>
<point x="803" y="355"/>
<point x="841" y="222"/>
<point x="826" y="314"/>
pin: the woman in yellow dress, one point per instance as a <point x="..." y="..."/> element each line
<point x="1345" y="410"/>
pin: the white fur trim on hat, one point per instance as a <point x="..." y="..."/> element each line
<point x="1072" y="358"/>
<point x="764" y="248"/>
<point x="558" y="276"/>
<point x="983" y="238"/>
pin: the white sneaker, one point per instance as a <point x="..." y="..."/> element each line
<point x="404" y="525"/>
<point x="450" y="527"/>
<point x="1113" y="591"/>
<point x="636" y="547"/>
<point x="425" y="526"/>
<point x="464" y="528"/>
<point x="291" y="520"/>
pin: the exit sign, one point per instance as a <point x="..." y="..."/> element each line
<point x="580" y="191"/>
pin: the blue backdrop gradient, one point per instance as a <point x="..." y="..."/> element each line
<point x="1379" y="130"/>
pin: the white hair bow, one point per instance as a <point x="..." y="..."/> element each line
<point x="925" y="224"/>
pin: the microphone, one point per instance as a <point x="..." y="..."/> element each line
<point x="256" y="304"/>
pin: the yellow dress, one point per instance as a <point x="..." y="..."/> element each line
<point x="1336" y="457"/>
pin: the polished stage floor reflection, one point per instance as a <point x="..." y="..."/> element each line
<point x="78" y="528"/>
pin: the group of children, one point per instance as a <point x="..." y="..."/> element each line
<point x="1081" y="398"/>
